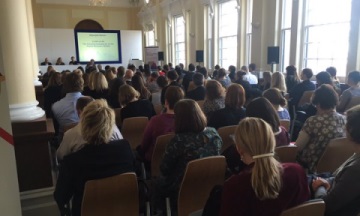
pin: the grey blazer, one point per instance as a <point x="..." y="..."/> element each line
<point x="343" y="198"/>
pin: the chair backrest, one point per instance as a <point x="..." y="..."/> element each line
<point x="201" y="104"/>
<point x="118" y="117"/>
<point x="336" y="153"/>
<point x="285" y="124"/>
<point x="158" y="154"/>
<point x="312" y="208"/>
<point x="116" y="195"/>
<point x="286" y="154"/>
<point x="353" y="102"/>
<point x="225" y="134"/>
<point x="306" y="98"/>
<point x="133" y="130"/>
<point x="200" y="177"/>
<point x="158" y="108"/>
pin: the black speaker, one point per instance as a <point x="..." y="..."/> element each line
<point x="199" y="55"/>
<point x="273" y="56"/>
<point x="160" y="56"/>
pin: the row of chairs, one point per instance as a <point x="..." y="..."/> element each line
<point x="119" y="195"/>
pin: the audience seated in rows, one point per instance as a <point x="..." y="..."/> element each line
<point x="278" y="101"/>
<point x="265" y="187"/>
<point x="267" y="75"/>
<point x="292" y="78"/>
<point x="262" y="108"/>
<point x="278" y="81"/>
<point x="99" y="158"/>
<point x="318" y="130"/>
<point x="172" y="77"/>
<point x="251" y="78"/>
<point x="214" y="99"/>
<point x="223" y="78"/>
<point x="52" y="93"/>
<point x="132" y="105"/>
<point x="353" y="91"/>
<point x="234" y="109"/>
<point x="192" y="140"/>
<point x="64" y="110"/>
<point x="297" y="91"/>
<point x="199" y="91"/>
<point x="160" y="124"/>
<point x="341" y="192"/>
<point x="73" y="140"/>
<point x="137" y="81"/>
<point x="188" y="77"/>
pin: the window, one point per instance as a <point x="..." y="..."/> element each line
<point x="209" y="37"/>
<point x="150" y="38"/>
<point x="169" y="40"/>
<point x="228" y="27"/>
<point x="285" y="34"/>
<point x="248" y="31"/>
<point x="179" y="38"/>
<point x="326" y="39"/>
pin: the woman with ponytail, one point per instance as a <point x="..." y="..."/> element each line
<point x="265" y="187"/>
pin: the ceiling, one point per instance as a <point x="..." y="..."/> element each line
<point x="114" y="3"/>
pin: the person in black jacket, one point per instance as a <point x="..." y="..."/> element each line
<point x="98" y="159"/>
<point x="198" y="93"/>
<point x="52" y="92"/>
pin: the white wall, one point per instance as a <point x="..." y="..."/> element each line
<point x="54" y="43"/>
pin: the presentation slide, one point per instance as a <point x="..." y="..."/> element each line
<point x="102" y="46"/>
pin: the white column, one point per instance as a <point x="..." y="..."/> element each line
<point x="33" y="47"/>
<point x="17" y="61"/>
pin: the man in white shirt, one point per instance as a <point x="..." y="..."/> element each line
<point x="73" y="140"/>
<point x="251" y="78"/>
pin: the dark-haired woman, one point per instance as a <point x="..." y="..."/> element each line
<point x="278" y="101"/>
<point x="318" y="130"/>
<point x="341" y="193"/>
<point x="193" y="140"/>
<point x="233" y="111"/>
<point x="292" y="78"/>
<point x="262" y="108"/>
<point x="52" y="92"/>
<point x="353" y="91"/>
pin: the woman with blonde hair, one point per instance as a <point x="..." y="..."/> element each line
<point x="267" y="81"/>
<point x="99" y="158"/>
<point x="132" y="105"/>
<point x="265" y="187"/>
<point x="278" y="81"/>
<point x="100" y="86"/>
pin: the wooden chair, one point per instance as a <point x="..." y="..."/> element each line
<point x="311" y="208"/>
<point x="201" y="104"/>
<point x="158" y="154"/>
<point x="286" y="154"/>
<point x="225" y="133"/>
<point x="117" y="195"/>
<point x="198" y="182"/>
<point x="285" y="124"/>
<point x="118" y="117"/>
<point x="335" y="154"/>
<point x="158" y="108"/>
<point x="133" y="130"/>
<point x="305" y="98"/>
<point x="353" y="102"/>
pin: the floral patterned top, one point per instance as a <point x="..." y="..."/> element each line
<point x="321" y="129"/>
<point x="183" y="148"/>
<point x="212" y="105"/>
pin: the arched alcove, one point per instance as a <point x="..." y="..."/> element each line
<point x="88" y="24"/>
